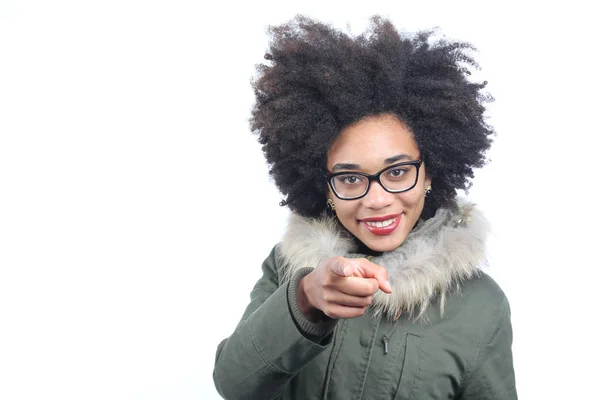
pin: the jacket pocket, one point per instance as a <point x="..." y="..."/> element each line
<point x="410" y="365"/>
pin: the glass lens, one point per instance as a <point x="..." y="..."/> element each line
<point x="350" y="185"/>
<point x="399" y="178"/>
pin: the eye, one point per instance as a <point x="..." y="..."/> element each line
<point x="397" y="172"/>
<point x="350" y="179"/>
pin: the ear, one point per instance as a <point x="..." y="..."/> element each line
<point x="427" y="180"/>
<point x="330" y="195"/>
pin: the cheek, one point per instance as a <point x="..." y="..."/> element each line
<point x="413" y="198"/>
<point x="346" y="211"/>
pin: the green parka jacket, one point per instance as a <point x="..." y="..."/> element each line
<point x="444" y="332"/>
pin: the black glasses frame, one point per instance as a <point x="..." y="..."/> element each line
<point x="374" y="177"/>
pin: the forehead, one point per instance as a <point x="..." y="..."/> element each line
<point x="372" y="140"/>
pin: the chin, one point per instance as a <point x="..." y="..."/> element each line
<point x="384" y="244"/>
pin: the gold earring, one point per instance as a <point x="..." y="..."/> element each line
<point x="330" y="204"/>
<point x="427" y="190"/>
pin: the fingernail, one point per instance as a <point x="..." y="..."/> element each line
<point x="388" y="285"/>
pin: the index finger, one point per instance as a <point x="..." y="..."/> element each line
<point x="367" y="269"/>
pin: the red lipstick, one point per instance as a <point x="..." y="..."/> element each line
<point x="383" y="225"/>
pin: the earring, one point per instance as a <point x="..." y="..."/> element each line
<point x="330" y="204"/>
<point x="427" y="190"/>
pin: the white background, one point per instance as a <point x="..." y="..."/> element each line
<point x="125" y="257"/>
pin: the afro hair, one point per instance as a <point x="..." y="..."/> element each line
<point x="316" y="80"/>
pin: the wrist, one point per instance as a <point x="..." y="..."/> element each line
<point x="312" y="313"/>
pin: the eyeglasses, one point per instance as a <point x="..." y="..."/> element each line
<point x="396" y="178"/>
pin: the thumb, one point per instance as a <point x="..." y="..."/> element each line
<point x="341" y="267"/>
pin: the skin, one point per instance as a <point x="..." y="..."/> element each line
<point x="342" y="287"/>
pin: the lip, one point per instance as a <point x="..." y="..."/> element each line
<point x="386" y="230"/>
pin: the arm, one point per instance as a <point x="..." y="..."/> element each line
<point x="493" y="376"/>
<point x="271" y="343"/>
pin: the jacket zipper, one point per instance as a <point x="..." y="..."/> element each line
<point x="332" y="357"/>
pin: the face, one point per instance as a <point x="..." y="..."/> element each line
<point x="381" y="220"/>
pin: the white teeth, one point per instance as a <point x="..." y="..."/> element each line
<point x="381" y="224"/>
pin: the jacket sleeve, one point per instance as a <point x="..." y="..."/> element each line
<point x="493" y="376"/>
<point x="271" y="343"/>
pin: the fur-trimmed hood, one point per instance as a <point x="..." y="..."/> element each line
<point x="435" y="258"/>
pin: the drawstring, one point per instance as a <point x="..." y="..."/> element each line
<point x="388" y="336"/>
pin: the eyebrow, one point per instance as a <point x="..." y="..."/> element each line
<point x="390" y="160"/>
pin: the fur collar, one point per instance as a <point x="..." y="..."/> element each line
<point x="435" y="258"/>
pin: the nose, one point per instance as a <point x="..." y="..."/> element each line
<point x="377" y="197"/>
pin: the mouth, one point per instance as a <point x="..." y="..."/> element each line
<point x="382" y="226"/>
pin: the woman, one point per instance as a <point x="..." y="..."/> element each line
<point x="375" y="291"/>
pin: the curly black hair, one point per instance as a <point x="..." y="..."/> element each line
<point x="318" y="80"/>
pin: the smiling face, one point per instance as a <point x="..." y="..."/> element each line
<point x="380" y="220"/>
